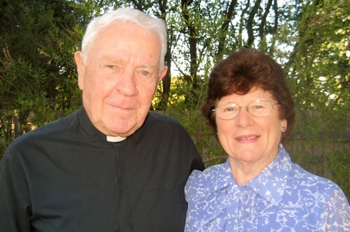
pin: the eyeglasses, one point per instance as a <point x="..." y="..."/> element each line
<point x="257" y="108"/>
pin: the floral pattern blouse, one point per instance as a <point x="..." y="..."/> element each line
<point x="283" y="197"/>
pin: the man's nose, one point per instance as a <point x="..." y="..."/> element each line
<point x="127" y="84"/>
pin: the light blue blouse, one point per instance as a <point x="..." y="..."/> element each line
<point x="283" y="197"/>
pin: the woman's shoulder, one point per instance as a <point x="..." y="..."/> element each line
<point x="320" y="197"/>
<point x="201" y="183"/>
<point x="313" y="184"/>
<point x="210" y="174"/>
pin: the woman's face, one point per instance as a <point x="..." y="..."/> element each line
<point x="248" y="139"/>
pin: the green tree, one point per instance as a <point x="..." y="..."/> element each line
<point x="37" y="72"/>
<point x="318" y="73"/>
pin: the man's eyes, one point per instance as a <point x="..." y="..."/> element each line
<point x="145" y="73"/>
<point x="111" y="66"/>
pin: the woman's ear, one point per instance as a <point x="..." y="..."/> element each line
<point x="284" y="125"/>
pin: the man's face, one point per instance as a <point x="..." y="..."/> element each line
<point x="120" y="77"/>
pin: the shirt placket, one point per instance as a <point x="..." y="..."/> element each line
<point x="247" y="212"/>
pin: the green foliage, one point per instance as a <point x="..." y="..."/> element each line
<point x="187" y="110"/>
<point x="339" y="166"/>
<point x="37" y="73"/>
<point x="318" y="76"/>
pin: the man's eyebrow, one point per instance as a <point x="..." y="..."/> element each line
<point x="148" y="66"/>
<point x="119" y="61"/>
<point x="113" y="60"/>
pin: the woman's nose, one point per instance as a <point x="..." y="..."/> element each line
<point x="244" y="118"/>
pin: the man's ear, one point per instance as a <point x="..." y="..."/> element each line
<point x="79" y="60"/>
<point x="162" y="73"/>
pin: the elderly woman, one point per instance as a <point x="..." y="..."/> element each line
<point x="259" y="188"/>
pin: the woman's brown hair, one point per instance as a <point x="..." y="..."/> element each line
<point x="239" y="73"/>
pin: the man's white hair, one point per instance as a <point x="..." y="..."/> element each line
<point x="143" y="20"/>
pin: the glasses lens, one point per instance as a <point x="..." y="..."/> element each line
<point x="260" y="108"/>
<point x="228" y="111"/>
<point x="257" y="108"/>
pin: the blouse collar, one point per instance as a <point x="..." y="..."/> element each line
<point x="269" y="184"/>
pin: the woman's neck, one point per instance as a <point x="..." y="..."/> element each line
<point x="243" y="172"/>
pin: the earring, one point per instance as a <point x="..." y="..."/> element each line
<point x="284" y="128"/>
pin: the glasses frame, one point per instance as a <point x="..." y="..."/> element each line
<point x="247" y="109"/>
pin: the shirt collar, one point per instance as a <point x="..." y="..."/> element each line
<point x="224" y="176"/>
<point x="88" y="127"/>
<point x="115" y="138"/>
<point x="271" y="182"/>
<point x="91" y="130"/>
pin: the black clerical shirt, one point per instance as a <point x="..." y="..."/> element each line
<point x="66" y="176"/>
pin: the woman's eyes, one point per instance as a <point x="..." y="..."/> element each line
<point x="231" y="108"/>
<point x="257" y="107"/>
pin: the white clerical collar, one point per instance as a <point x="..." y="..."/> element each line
<point x="115" y="138"/>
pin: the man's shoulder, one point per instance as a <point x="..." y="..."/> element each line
<point x="162" y="118"/>
<point x="164" y="125"/>
<point x="58" y="126"/>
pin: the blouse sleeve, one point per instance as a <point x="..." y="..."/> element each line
<point x="336" y="217"/>
<point x="191" y="191"/>
<point x="190" y="188"/>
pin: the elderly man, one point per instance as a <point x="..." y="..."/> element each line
<point x="112" y="165"/>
